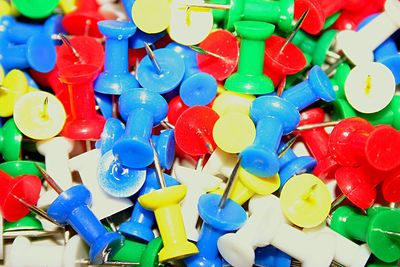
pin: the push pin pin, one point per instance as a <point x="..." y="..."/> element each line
<point x="71" y="48"/>
<point x="153" y="58"/>
<point x="165" y="204"/>
<point x="71" y="207"/>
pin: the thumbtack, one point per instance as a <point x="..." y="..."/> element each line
<point x="202" y="51"/>
<point x="157" y="165"/>
<point x="208" y="5"/>
<point x="153" y="58"/>
<point x="317" y="125"/>
<point x="229" y="185"/>
<point x="71" y="207"/>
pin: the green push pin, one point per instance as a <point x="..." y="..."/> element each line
<point x="27" y="223"/>
<point x="145" y="255"/>
<point x="35" y="9"/>
<point x="20" y="167"/>
<point x="10" y="141"/>
<point x="389" y="115"/>
<point x="378" y="263"/>
<point x="317" y="49"/>
<point x="250" y="79"/>
<point x="331" y="20"/>
<point x="380" y="230"/>
<point x="280" y="13"/>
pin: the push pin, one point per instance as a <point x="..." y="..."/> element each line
<point x="189" y="24"/>
<point x="116" y="77"/>
<point x="359" y="46"/>
<point x="36" y="9"/>
<point x="150" y="17"/>
<point x="12" y="136"/>
<point x="271" y="256"/>
<point x="219" y="55"/>
<point x="161" y="70"/>
<point x="165" y="204"/>
<point x="220" y="163"/>
<point x="197" y="88"/>
<point x="249" y="79"/>
<point x="71" y="207"/>
<point x="220" y="215"/>
<point x="175" y="109"/>
<point x="234" y="130"/>
<point x="84" y="122"/>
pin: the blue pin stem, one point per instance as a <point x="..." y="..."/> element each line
<point x="270" y="256"/>
<point x="116" y="77"/>
<point x="216" y="222"/>
<point x="142" y="109"/>
<point x="316" y="87"/>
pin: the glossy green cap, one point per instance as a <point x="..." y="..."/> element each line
<point x="29" y="222"/>
<point x="36" y="9"/>
<point x="10" y="141"/>
<point x="20" y="167"/>
<point x="322" y="46"/>
<point x="389" y="115"/>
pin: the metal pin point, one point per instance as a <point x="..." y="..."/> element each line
<point x="159" y="172"/>
<point x="29" y="234"/>
<point x="109" y="263"/>
<point x="208" y="5"/>
<point x="202" y="51"/>
<point x="336" y="64"/>
<point x="36" y="210"/>
<point x="114" y="106"/>
<point x="4" y="90"/>
<point x="49" y="179"/>
<point x="68" y="44"/>
<point x="153" y="59"/>
<point x="336" y="202"/>
<point x="200" y="162"/>
<point x="44" y="113"/>
<point x="286" y="147"/>
<point x="281" y="87"/>
<point x="297" y="27"/>
<point x="229" y="185"/>
<point x="167" y="125"/>
<point x="317" y="125"/>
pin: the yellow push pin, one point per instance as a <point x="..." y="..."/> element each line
<point x="234" y="130"/>
<point x="151" y="16"/>
<point x="5" y="8"/>
<point x="165" y="204"/>
<point x="305" y="200"/>
<point x="67" y="6"/>
<point x="12" y="86"/>
<point x="190" y="23"/>
<point x="1" y="73"/>
<point x="39" y="115"/>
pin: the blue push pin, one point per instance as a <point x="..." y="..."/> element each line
<point x="270" y="256"/>
<point x="197" y="88"/>
<point x="71" y="207"/>
<point x="104" y="101"/>
<point x="291" y="164"/>
<point x="137" y="41"/>
<point x="217" y="221"/>
<point x="20" y="32"/>
<point x="31" y="81"/>
<point x="387" y="53"/>
<point x="141" y="109"/>
<point x="38" y="53"/>
<point x="165" y="147"/>
<point x="316" y="87"/>
<point x="161" y="71"/>
<point x="116" y="76"/>
<point x="140" y="225"/>
<point x="112" y="131"/>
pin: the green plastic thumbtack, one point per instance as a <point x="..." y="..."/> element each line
<point x="250" y="79"/>
<point x="36" y="9"/>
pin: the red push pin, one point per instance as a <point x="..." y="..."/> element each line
<point x="391" y="186"/>
<point x="359" y="184"/>
<point x="316" y="141"/>
<point x="354" y="141"/>
<point x="83" y="21"/>
<point x="320" y="10"/>
<point x="80" y="50"/>
<point x="83" y="122"/>
<point x="175" y="109"/>
<point x="13" y="190"/>
<point x="193" y="130"/>
<point x="219" y="55"/>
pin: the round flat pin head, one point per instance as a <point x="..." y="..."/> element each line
<point x="355" y="184"/>
<point x="305" y="200"/>
<point x="341" y="139"/>
<point x="116" y="29"/>
<point x="90" y="52"/>
<point x="113" y="130"/>
<point x="36" y="9"/>
<point x="41" y="53"/>
<point x="234" y="132"/>
<point x="383" y="238"/>
<point x="193" y="130"/>
<point x="315" y="19"/>
<point x="175" y="109"/>
<point x="286" y="15"/>
<point x="26" y="187"/>
<point x="78" y="73"/>
<point x="224" y="44"/>
<point x="382" y="149"/>
<point x="172" y="71"/>
<point x="391" y="187"/>
<point x="83" y="23"/>
<point x="198" y="90"/>
<point x="370" y="87"/>
<point x="118" y="180"/>
<point x="259" y="185"/>
<point x="27" y="223"/>
<point x="151" y="16"/>
<point x="20" y="167"/>
<point x="16" y="86"/>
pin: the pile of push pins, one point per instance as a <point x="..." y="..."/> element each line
<point x="199" y="133"/>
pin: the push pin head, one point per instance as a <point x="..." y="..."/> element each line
<point x="11" y="140"/>
<point x="36" y="9"/>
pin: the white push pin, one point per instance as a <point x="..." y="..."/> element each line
<point x="359" y="46"/>
<point x="56" y="153"/>
<point x="258" y="231"/>
<point x="189" y="25"/>
<point x="197" y="183"/>
<point x="103" y="205"/>
<point x="113" y="11"/>
<point x="25" y="253"/>
<point x="370" y="87"/>
<point x="311" y="251"/>
<point x="220" y="163"/>
<point x="347" y="252"/>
